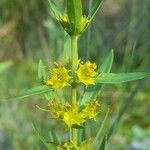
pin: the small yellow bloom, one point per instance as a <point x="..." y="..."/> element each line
<point x="72" y="116"/>
<point x="59" y="79"/>
<point x="90" y="111"/>
<point x="86" y="72"/>
<point x="56" y="109"/>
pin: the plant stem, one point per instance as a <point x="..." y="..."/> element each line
<point x="74" y="65"/>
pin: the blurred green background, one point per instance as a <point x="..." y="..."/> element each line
<point x="29" y="33"/>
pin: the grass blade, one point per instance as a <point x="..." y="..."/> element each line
<point x="103" y="144"/>
<point x="94" y="9"/>
<point x="54" y="8"/>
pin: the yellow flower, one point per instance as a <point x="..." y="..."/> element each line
<point x="56" y="109"/>
<point x="86" y="72"/>
<point x="72" y="116"/>
<point x="90" y="111"/>
<point x="59" y="79"/>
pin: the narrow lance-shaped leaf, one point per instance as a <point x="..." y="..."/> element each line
<point x="105" y="67"/>
<point x="120" y="77"/>
<point x="94" y="9"/>
<point x="54" y="8"/>
<point x="33" y="91"/>
<point x="54" y="137"/>
<point x="74" y="11"/>
<point x="92" y="91"/>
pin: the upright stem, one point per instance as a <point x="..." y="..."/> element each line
<point x="74" y="65"/>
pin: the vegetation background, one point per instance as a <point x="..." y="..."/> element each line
<point x="29" y="33"/>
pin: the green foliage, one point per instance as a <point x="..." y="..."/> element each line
<point x="33" y="91"/>
<point x="74" y="11"/>
<point x="67" y="47"/>
<point x="95" y="8"/>
<point x="120" y="77"/>
<point x="103" y="144"/>
<point x="54" y="8"/>
<point x="54" y="137"/>
<point x="131" y="45"/>
<point x="98" y="135"/>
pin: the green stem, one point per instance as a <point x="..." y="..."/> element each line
<point x="74" y="65"/>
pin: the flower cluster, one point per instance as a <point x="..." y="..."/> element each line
<point x="86" y="72"/>
<point x="70" y="114"/>
<point x="60" y="75"/>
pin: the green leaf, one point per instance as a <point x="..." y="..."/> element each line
<point x="67" y="47"/>
<point x="74" y="11"/>
<point x="49" y="95"/>
<point x="33" y="91"/>
<point x="5" y="65"/>
<point x="94" y="9"/>
<point x="92" y="91"/>
<point x="101" y="127"/>
<point x="103" y="144"/>
<point x="42" y="139"/>
<point x="120" y="77"/>
<point x="54" y="8"/>
<point x="107" y="64"/>
<point x="54" y="137"/>
<point x="41" y="71"/>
